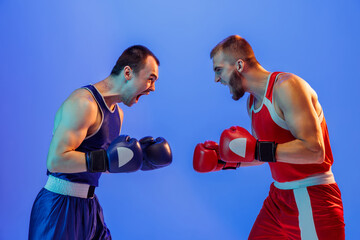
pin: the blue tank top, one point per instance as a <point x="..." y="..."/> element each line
<point x="109" y="130"/>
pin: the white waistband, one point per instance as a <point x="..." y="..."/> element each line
<point x="63" y="187"/>
<point x="317" y="179"/>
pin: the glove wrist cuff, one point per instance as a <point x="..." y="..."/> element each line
<point x="96" y="161"/>
<point x="227" y="166"/>
<point x="265" y="151"/>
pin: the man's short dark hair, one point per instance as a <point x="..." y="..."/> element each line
<point x="235" y="47"/>
<point x="134" y="57"/>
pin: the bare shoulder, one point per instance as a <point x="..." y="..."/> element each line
<point x="291" y="90"/>
<point x="81" y="99"/>
<point x="289" y="83"/>
<point x="81" y="95"/>
<point x="288" y="80"/>
<point x="80" y="106"/>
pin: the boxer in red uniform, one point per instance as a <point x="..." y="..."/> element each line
<point x="289" y="132"/>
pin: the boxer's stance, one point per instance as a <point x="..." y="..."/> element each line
<point x="290" y="133"/>
<point x="86" y="142"/>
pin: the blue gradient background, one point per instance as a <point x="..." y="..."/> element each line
<point x="49" y="48"/>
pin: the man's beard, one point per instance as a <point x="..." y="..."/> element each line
<point x="236" y="86"/>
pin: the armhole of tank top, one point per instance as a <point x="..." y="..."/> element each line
<point x="275" y="116"/>
<point x="102" y="115"/>
<point x="271" y="107"/>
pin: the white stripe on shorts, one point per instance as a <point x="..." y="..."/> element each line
<point x="306" y="220"/>
<point x="302" y="199"/>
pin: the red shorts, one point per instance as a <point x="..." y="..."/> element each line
<point x="313" y="212"/>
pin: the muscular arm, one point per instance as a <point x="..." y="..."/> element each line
<point x="75" y="117"/>
<point x="299" y="107"/>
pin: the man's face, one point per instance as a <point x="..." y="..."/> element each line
<point x="143" y="82"/>
<point x="227" y="74"/>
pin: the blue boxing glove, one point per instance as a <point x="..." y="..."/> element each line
<point x="123" y="155"/>
<point x="156" y="153"/>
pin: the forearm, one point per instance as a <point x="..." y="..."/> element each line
<point x="67" y="162"/>
<point x="300" y="152"/>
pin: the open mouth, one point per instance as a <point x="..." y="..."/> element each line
<point x="143" y="93"/>
<point x="138" y="96"/>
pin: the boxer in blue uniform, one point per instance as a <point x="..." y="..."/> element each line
<point x="86" y="142"/>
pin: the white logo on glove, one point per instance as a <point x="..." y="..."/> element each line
<point x="124" y="155"/>
<point x="238" y="146"/>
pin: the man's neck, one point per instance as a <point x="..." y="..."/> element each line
<point x="108" y="91"/>
<point x="255" y="81"/>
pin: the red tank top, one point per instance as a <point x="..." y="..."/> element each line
<point x="268" y="126"/>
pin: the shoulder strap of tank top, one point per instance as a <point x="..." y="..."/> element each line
<point x="98" y="97"/>
<point x="271" y="83"/>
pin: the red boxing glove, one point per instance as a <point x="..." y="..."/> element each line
<point x="237" y="145"/>
<point x="207" y="159"/>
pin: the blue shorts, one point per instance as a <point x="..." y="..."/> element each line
<point x="56" y="216"/>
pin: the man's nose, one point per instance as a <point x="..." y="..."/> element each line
<point x="217" y="78"/>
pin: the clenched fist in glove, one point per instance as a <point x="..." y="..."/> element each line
<point x="156" y="153"/>
<point x="123" y="155"/>
<point x="238" y="145"/>
<point x="206" y="158"/>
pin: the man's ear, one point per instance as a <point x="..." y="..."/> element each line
<point x="240" y="65"/>
<point x="128" y="73"/>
